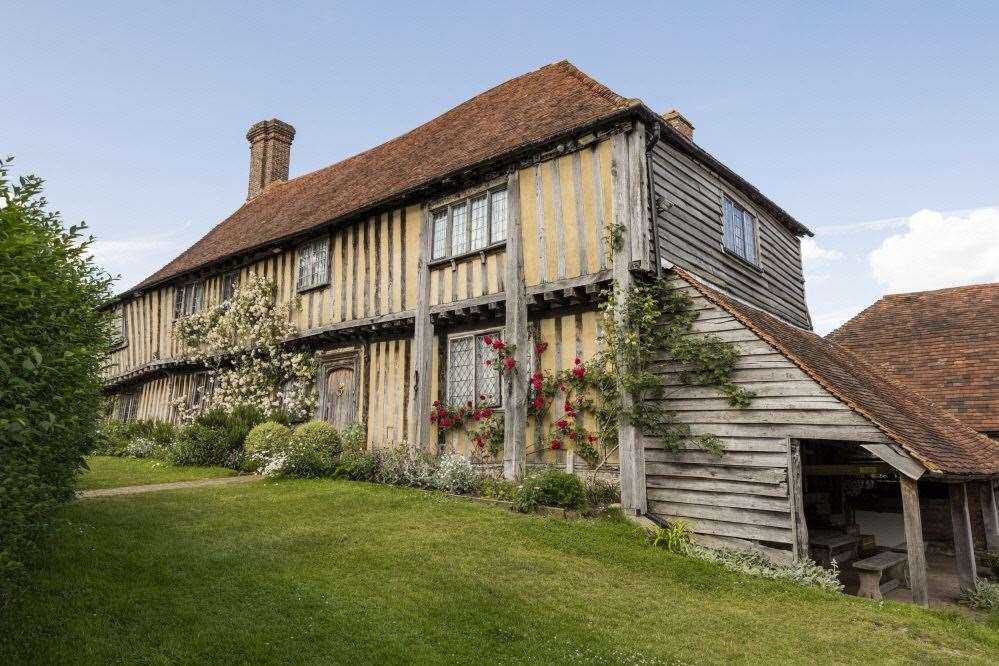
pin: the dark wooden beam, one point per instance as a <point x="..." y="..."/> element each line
<point x="990" y="515"/>
<point x="964" y="549"/>
<point x="914" y="540"/>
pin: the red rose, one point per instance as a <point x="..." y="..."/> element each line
<point x="433" y="417"/>
<point x="477" y="414"/>
<point x="498" y="344"/>
<point x="536" y="380"/>
<point x="508" y="363"/>
<point x="489" y="362"/>
<point x="482" y="397"/>
<point x="572" y="435"/>
<point x="487" y="412"/>
<point x="486" y="339"/>
<point x="590" y="437"/>
<point x="562" y="424"/>
<point x="556" y="444"/>
<point x="445" y="422"/>
<point x="539" y="402"/>
<point x="579" y="371"/>
<point x="568" y="406"/>
<point x="540" y="348"/>
<point x="437" y="403"/>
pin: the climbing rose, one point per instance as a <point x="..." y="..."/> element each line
<point x="540" y="348"/>
<point x="489" y="362"/>
<point x="556" y="444"/>
<point x="578" y="360"/>
<point x="498" y="344"/>
<point x="579" y="371"/>
<point x="539" y="402"/>
<point x="536" y="380"/>
<point x="445" y="422"/>
<point x="562" y="424"/>
<point x="568" y="406"/>
<point x="487" y="412"/>
<point x="487" y="340"/>
<point x="508" y="363"/>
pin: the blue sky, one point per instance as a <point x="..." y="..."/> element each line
<point x="853" y="116"/>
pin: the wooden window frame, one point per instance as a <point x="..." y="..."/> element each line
<point x="325" y="281"/>
<point x="477" y="366"/>
<point x="196" y="304"/>
<point x="466" y="200"/>
<point x="119" y="335"/>
<point x="204" y="382"/>
<point x="128" y="405"/>
<point x="756" y="262"/>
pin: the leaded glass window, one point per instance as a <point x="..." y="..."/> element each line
<point x="188" y="299"/>
<point x="314" y="263"/>
<point x="230" y="283"/>
<point x="470" y="379"/>
<point x="497" y="215"/>
<point x="740" y="230"/>
<point x="470" y="224"/>
<point x="459" y="229"/>
<point x="440" y="234"/>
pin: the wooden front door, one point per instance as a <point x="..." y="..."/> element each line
<point x="338" y="396"/>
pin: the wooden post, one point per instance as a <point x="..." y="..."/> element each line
<point x="639" y="231"/>
<point x="914" y="540"/>
<point x="964" y="548"/>
<point x="515" y="386"/>
<point x="795" y="493"/>
<point x="423" y="342"/>
<point x="630" y="447"/>
<point x="990" y="515"/>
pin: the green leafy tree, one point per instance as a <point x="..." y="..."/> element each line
<point x="53" y="342"/>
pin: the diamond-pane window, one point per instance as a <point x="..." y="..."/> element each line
<point x="468" y="376"/>
<point x="313" y="263"/>
<point x="469" y="225"/>
<point x="488" y="375"/>
<point x="440" y="234"/>
<point x="461" y="371"/>
<point x="497" y="216"/>
<point x="479" y="209"/>
<point x="459" y="229"/>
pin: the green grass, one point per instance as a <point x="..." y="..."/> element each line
<point x="111" y="472"/>
<point x="318" y="571"/>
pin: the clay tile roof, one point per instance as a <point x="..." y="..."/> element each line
<point x="943" y="343"/>
<point x="530" y="109"/>
<point x="927" y="432"/>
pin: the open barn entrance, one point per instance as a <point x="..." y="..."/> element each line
<point x="856" y="508"/>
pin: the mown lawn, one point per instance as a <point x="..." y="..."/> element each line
<point x="341" y="572"/>
<point x="111" y="472"/>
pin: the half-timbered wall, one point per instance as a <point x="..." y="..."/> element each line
<point x="744" y="493"/>
<point x="690" y="231"/>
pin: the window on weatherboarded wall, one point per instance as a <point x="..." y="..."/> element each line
<point x="469" y="224"/>
<point x="314" y="264"/>
<point x="469" y="378"/>
<point x="740" y="231"/>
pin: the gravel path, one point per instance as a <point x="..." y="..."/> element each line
<point x="154" y="487"/>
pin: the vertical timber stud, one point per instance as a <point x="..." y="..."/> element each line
<point x="964" y="549"/>
<point x="639" y="231"/>
<point x="625" y="215"/>
<point x="914" y="540"/>
<point x="990" y="515"/>
<point x="515" y="389"/>
<point x="423" y="341"/>
<point x="795" y="492"/>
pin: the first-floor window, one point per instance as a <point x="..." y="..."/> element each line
<point x="740" y="231"/>
<point x="188" y="299"/>
<point x="128" y="405"/>
<point x="119" y="326"/>
<point x="230" y="283"/>
<point x="469" y="377"/>
<point x="314" y="263"/>
<point x="470" y="224"/>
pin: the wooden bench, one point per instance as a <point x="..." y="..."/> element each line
<point x="871" y="570"/>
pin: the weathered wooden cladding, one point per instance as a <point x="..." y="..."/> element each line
<point x="743" y="493"/>
<point x="689" y="224"/>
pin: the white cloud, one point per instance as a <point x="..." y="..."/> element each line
<point x="812" y="254"/>
<point x="939" y="249"/>
<point x="136" y="258"/>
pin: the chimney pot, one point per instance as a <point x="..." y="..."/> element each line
<point x="270" y="154"/>
<point x="678" y="122"/>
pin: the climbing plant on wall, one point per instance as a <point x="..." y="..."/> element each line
<point x="240" y="341"/>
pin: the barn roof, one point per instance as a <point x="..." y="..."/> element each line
<point x="943" y="343"/>
<point x="929" y="433"/>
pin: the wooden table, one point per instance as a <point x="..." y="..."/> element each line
<point x="826" y="546"/>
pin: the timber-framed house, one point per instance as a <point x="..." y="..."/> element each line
<point x="492" y="220"/>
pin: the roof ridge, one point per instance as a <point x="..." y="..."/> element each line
<point x="977" y="285"/>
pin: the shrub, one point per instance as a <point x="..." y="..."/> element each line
<point x="985" y="596"/>
<point x="674" y="537"/>
<point x="356" y="465"/>
<point x="313" y="449"/>
<point x="455" y="474"/>
<point x="215" y="437"/>
<point x="497" y="488"/>
<point x="143" y="447"/>
<point x="53" y="342"/>
<point x="550" y="487"/>
<point x="803" y="571"/>
<point x="263" y="443"/>
<point x="118" y="438"/>
<point x="402" y="467"/>
<point x="112" y="438"/>
<point x="354" y="437"/>
<point x="603" y="492"/>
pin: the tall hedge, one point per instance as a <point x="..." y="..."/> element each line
<point x="53" y="342"/>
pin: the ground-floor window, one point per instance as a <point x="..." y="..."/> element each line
<point x="469" y="377"/>
<point x="128" y="405"/>
<point x="202" y="389"/>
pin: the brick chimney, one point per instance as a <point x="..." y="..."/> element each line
<point x="270" y="154"/>
<point x="680" y="124"/>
